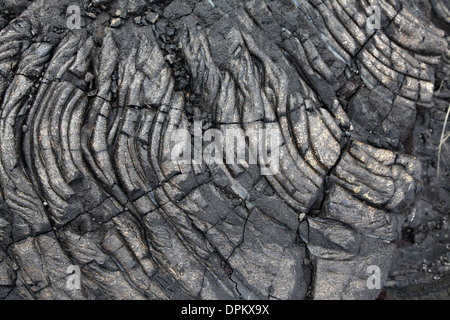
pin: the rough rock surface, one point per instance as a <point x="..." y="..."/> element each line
<point x="421" y="265"/>
<point x="86" y="173"/>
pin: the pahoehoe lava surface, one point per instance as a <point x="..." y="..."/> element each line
<point x="86" y="176"/>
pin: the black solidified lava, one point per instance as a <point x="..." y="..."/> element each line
<point x="92" y="93"/>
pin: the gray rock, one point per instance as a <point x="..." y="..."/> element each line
<point x="93" y="182"/>
<point x="151" y="17"/>
<point x="116" y="22"/>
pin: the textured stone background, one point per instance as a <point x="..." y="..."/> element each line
<point x="86" y="178"/>
<point x="422" y="264"/>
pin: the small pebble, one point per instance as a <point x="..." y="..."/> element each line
<point x="91" y="15"/>
<point x="116" y="22"/>
<point x="170" y="31"/>
<point x="151" y="17"/>
<point x="170" y="58"/>
<point x="183" y="84"/>
<point x="88" y="77"/>
<point x="137" y="20"/>
<point x="132" y="8"/>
